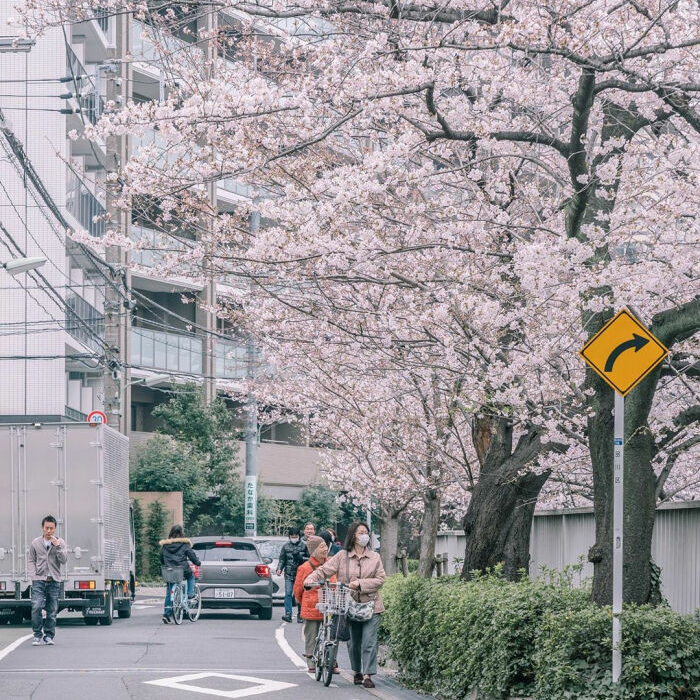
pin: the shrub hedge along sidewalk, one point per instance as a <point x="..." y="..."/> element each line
<point x="533" y="639"/>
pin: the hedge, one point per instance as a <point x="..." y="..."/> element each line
<point x="545" y="641"/>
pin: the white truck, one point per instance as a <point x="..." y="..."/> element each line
<point x="78" y="473"/>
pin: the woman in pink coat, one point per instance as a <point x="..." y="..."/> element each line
<point x="361" y="568"/>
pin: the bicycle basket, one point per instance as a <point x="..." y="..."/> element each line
<point x="172" y="574"/>
<point x="333" y="599"/>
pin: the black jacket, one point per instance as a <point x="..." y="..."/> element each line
<point x="177" y="552"/>
<point x="292" y="556"/>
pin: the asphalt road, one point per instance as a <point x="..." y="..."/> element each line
<point x="223" y="654"/>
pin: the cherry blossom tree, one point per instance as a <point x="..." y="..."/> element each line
<point x="455" y="196"/>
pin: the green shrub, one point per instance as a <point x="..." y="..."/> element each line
<point x="660" y="650"/>
<point x="543" y="640"/>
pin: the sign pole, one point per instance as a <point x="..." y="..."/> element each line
<point x="618" y="514"/>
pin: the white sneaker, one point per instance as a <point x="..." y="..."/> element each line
<point x="49" y="641"/>
<point x="37" y="641"/>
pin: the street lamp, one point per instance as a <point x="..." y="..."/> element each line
<point x="141" y="381"/>
<point x="149" y="381"/>
<point x="20" y="265"/>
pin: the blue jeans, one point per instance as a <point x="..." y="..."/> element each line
<point x="289" y="598"/>
<point x="45" y="597"/>
<point x="168" y="609"/>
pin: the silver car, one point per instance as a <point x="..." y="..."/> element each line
<point x="233" y="575"/>
<point x="270" y="548"/>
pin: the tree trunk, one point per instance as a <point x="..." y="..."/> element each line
<point x="516" y="550"/>
<point x="429" y="528"/>
<point x="499" y="518"/>
<point x="390" y="541"/>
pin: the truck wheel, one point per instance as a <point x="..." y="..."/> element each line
<point x="265" y="613"/>
<point x="109" y="604"/>
<point x="125" y="612"/>
<point x="18" y="618"/>
<point x="91" y="621"/>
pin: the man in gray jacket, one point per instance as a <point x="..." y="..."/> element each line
<point x="46" y="555"/>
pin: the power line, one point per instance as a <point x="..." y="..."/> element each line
<point x="58" y="297"/>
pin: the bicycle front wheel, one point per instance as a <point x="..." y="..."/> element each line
<point x="195" y="605"/>
<point x="178" y="605"/>
<point x="318" y="657"/>
<point x="328" y="663"/>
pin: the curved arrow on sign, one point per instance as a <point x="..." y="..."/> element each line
<point x="637" y="342"/>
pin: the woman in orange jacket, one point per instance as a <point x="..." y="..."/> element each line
<point x="318" y="551"/>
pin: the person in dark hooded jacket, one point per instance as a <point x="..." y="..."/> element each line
<point x="177" y="551"/>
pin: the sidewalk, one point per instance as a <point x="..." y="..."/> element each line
<point x="388" y="687"/>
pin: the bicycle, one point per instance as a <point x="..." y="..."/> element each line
<point x="192" y="607"/>
<point x="333" y="600"/>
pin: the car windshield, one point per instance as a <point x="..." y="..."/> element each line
<point x="226" y="551"/>
<point x="270" y="548"/>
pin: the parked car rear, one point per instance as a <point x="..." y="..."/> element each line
<point x="270" y="548"/>
<point x="233" y="575"/>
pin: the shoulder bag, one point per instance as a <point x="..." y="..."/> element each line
<point x="357" y="612"/>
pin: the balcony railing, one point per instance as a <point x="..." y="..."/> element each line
<point x="90" y="102"/>
<point x="156" y="246"/>
<point x="176" y="352"/>
<point x="143" y="48"/>
<point x="84" y="207"/>
<point x="73" y="414"/>
<point x="84" y="322"/>
<point x="231" y="360"/>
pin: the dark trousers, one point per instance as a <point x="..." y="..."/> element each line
<point x="45" y="597"/>
<point x="362" y="646"/>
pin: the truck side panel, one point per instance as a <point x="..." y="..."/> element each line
<point x="117" y="531"/>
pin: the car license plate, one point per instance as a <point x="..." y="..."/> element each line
<point x="224" y="592"/>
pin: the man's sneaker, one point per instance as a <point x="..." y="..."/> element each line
<point x="49" y="641"/>
<point x="37" y="641"/>
<point x="286" y="618"/>
<point x="166" y="619"/>
<point x="299" y="619"/>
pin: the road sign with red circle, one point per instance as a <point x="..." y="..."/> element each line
<point x="97" y="418"/>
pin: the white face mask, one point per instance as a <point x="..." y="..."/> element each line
<point x="293" y="540"/>
<point x="363" y="540"/>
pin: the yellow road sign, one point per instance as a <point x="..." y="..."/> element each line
<point x="623" y="352"/>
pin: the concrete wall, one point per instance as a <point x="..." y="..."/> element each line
<point x="171" y="500"/>
<point x="285" y="470"/>
<point x="562" y="537"/>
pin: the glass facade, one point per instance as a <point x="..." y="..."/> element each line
<point x="176" y="352"/>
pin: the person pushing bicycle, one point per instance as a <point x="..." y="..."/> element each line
<point x="176" y="551"/>
<point x="318" y="553"/>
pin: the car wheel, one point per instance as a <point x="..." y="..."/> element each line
<point x="265" y="613"/>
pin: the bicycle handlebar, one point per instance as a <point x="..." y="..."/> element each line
<point x="318" y="584"/>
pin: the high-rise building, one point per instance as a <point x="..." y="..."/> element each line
<point x="55" y="349"/>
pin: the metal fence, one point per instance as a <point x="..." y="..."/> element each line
<point x="563" y="537"/>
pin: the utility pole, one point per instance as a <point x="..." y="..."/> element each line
<point x="117" y="392"/>
<point x="209" y="24"/>
<point x="251" y="433"/>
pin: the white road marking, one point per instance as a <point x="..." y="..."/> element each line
<point x="261" y="685"/>
<point x="287" y="649"/>
<point x="11" y="647"/>
<point x="142" y="669"/>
